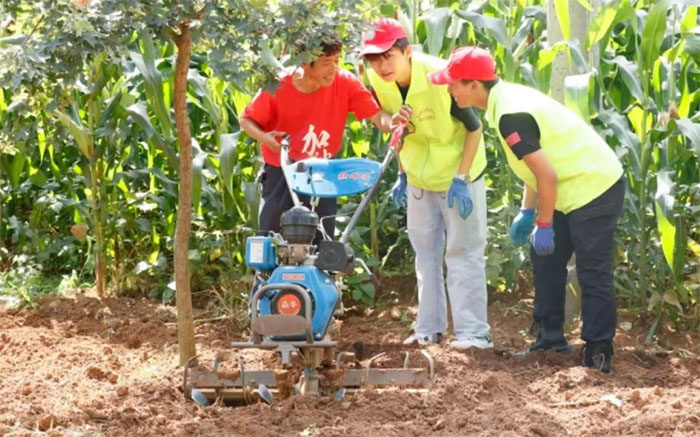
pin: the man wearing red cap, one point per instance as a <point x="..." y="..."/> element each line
<point x="311" y="105"/>
<point x="440" y="165"/>
<point x="573" y="177"/>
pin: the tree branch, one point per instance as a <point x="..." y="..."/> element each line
<point x="29" y="35"/>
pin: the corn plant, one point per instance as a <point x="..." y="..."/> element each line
<point x="646" y="95"/>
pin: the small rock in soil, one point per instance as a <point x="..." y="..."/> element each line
<point x="47" y="422"/>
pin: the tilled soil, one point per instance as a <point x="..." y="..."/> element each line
<point x="81" y="365"/>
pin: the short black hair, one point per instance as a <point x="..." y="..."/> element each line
<point x="330" y="45"/>
<point x="488" y="84"/>
<point x="401" y="44"/>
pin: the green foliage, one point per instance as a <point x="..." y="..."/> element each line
<point x="87" y="133"/>
<point x="654" y="135"/>
<point x="24" y="282"/>
<point x="360" y="287"/>
<point x="102" y="70"/>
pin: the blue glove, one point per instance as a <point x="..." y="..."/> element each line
<point x="458" y="191"/>
<point x="543" y="239"/>
<point x="522" y="226"/>
<point x="398" y="192"/>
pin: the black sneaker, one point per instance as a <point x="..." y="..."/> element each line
<point x="547" y="339"/>
<point x="598" y="356"/>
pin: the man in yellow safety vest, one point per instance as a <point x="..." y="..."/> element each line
<point x="441" y="165"/>
<point x="573" y="178"/>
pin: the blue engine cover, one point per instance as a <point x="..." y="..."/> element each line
<point x="333" y="177"/>
<point x="260" y="253"/>
<point x="323" y="295"/>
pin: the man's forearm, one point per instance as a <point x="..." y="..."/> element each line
<point x="471" y="144"/>
<point x="547" y="181"/>
<point x="529" y="197"/>
<point x="382" y="120"/>
<point x="547" y="196"/>
<point x="252" y="129"/>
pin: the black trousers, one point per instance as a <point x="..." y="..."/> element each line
<point x="276" y="200"/>
<point x="588" y="231"/>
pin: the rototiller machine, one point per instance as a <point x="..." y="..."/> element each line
<point x="291" y="311"/>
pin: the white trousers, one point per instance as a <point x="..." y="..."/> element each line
<point x="438" y="232"/>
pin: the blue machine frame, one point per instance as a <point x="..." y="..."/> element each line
<point x="321" y="289"/>
<point x="320" y="178"/>
<point x="317" y="177"/>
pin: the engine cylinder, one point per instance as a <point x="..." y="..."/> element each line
<point x="299" y="225"/>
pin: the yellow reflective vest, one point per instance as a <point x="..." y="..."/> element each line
<point x="431" y="155"/>
<point x="585" y="165"/>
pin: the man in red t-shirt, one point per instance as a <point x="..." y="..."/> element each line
<point x="311" y="105"/>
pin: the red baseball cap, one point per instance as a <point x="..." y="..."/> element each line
<point x="380" y="36"/>
<point x="471" y="63"/>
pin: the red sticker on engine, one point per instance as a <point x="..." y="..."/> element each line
<point x="513" y="139"/>
<point x="293" y="276"/>
<point x="289" y="305"/>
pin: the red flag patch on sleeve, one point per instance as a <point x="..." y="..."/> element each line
<point x="513" y="139"/>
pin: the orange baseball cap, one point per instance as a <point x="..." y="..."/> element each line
<point x="470" y="63"/>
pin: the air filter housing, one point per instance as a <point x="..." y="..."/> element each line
<point x="299" y="225"/>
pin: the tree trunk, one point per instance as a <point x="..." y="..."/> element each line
<point x="561" y="67"/>
<point x="100" y="262"/>
<point x="183" y="296"/>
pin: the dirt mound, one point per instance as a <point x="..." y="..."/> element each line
<point x="108" y="367"/>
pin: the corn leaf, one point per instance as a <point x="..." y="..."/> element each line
<point x="664" y="202"/>
<point x="691" y="131"/>
<point x="199" y="86"/>
<point x="252" y="198"/>
<point x="562" y="9"/>
<point x="653" y="35"/>
<point x="77" y="131"/>
<point x="16" y="168"/>
<point x="628" y="73"/>
<point x="227" y="159"/>
<point x="138" y="113"/>
<point x="197" y="164"/>
<point x="436" y="26"/>
<point x="153" y="82"/>
<point x="577" y="94"/>
<point x="496" y="27"/>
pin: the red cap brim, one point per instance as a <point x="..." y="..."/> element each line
<point x="441" y="77"/>
<point x="374" y="49"/>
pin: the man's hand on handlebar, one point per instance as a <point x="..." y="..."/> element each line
<point x="402" y="116"/>
<point x="269" y="140"/>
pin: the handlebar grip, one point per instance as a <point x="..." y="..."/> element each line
<point x="396" y="135"/>
<point x="285" y="142"/>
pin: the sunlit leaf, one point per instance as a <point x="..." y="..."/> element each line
<point x="577" y="94"/>
<point x="436" y="26"/>
<point x="664" y="201"/>
<point x="495" y="26"/>
<point x="562" y="10"/>
<point x="653" y="35"/>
